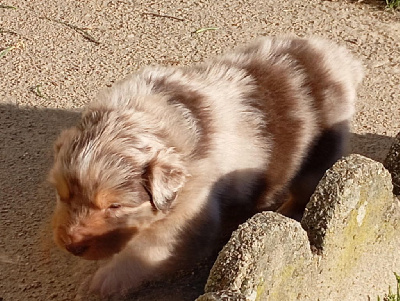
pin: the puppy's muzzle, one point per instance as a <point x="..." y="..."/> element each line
<point x="77" y="249"/>
<point x="95" y="246"/>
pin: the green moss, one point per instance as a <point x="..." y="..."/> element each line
<point x="287" y="284"/>
<point x="364" y="226"/>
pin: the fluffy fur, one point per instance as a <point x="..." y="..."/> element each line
<point x="148" y="172"/>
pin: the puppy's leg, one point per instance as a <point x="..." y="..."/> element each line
<point x="128" y="270"/>
<point x="328" y="148"/>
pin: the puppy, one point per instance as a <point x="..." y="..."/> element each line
<point x="145" y="177"/>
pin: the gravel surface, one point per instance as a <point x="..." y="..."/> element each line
<point x="62" y="52"/>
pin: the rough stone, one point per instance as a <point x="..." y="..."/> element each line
<point x="267" y="242"/>
<point x="346" y="247"/>
<point x="392" y="163"/>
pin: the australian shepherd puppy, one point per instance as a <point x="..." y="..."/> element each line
<point x="145" y="177"/>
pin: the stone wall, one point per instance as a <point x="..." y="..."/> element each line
<point x="346" y="247"/>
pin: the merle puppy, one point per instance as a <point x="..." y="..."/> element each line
<point x="146" y="175"/>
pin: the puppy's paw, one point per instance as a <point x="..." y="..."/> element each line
<point x="106" y="282"/>
<point x="111" y="280"/>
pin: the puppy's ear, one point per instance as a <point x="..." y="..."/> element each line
<point x="64" y="137"/>
<point x="164" y="176"/>
<point x="55" y="177"/>
<point x="59" y="182"/>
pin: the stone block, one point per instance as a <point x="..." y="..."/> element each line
<point x="346" y="247"/>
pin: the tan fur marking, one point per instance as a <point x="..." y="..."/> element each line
<point x="62" y="187"/>
<point x="104" y="199"/>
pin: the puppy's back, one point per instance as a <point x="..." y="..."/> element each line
<point x="328" y="71"/>
<point x="303" y="87"/>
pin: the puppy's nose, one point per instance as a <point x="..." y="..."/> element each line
<point x="77" y="249"/>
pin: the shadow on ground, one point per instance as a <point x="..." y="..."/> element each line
<point x="372" y="146"/>
<point x="28" y="258"/>
<point x="379" y="4"/>
<point x="26" y="203"/>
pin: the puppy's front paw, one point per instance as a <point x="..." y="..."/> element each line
<point x="106" y="282"/>
<point x="111" y="280"/>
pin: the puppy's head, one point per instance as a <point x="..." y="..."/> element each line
<point x="113" y="179"/>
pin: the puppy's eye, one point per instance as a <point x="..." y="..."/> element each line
<point x="114" y="206"/>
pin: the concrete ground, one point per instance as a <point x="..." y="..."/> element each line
<point x="56" y="55"/>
